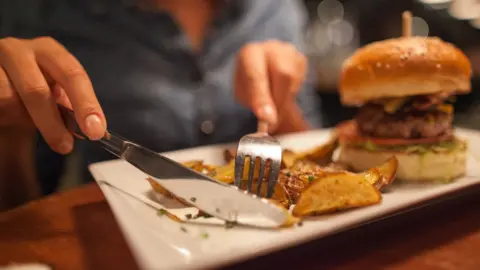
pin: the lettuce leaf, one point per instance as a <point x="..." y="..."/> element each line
<point x="442" y="147"/>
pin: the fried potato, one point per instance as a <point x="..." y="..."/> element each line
<point x="321" y="154"/>
<point x="305" y="165"/>
<point x="226" y="173"/>
<point x="336" y="191"/>
<point x="388" y="170"/>
<point x="288" y="158"/>
<point x="196" y="165"/>
<point x="383" y="175"/>
<point x="158" y="188"/>
<point x="373" y="177"/>
<point x="310" y="180"/>
<point x="163" y="191"/>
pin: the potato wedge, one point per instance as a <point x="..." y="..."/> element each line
<point x="336" y="191"/>
<point x="383" y="175"/>
<point x="226" y="173"/>
<point x="161" y="190"/>
<point x="288" y="158"/>
<point x="194" y="164"/>
<point x="388" y="170"/>
<point x="321" y="154"/>
<point x="305" y="165"/>
<point x="373" y="177"/>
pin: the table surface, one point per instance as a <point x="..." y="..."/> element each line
<point x="77" y="230"/>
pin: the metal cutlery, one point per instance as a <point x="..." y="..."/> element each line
<point x="220" y="200"/>
<point x="264" y="150"/>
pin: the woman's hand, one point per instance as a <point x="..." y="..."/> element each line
<point x="267" y="79"/>
<point x="37" y="74"/>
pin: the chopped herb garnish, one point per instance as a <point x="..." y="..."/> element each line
<point x="214" y="173"/>
<point x="289" y="174"/>
<point x="310" y="178"/>
<point x="183" y="229"/>
<point x="161" y="212"/>
<point x="193" y="199"/>
<point x="204" y="235"/>
<point x="188" y="216"/>
<point x="207" y="215"/>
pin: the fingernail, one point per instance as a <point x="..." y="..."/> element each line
<point x="95" y="128"/>
<point x="268" y="114"/>
<point x="66" y="145"/>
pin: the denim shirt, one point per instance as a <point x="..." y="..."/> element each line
<point x="154" y="89"/>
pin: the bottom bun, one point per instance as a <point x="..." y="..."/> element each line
<point x="413" y="167"/>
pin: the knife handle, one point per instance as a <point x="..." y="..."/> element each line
<point x="70" y="122"/>
<point x="110" y="142"/>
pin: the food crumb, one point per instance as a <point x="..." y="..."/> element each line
<point x="204" y="235"/>
<point x="229" y="224"/>
<point x="188" y="216"/>
<point x="183" y="229"/>
<point x="193" y="199"/>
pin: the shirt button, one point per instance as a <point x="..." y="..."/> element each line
<point x="207" y="127"/>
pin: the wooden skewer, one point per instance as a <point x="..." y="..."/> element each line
<point x="407" y="24"/>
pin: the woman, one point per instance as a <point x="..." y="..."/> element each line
<point x="167" y="74"/>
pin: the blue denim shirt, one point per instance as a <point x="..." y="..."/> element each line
<point x="154" y="89"/>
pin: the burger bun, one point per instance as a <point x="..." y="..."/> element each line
<point x="405" y="66"/>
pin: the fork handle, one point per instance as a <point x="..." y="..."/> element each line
<point x="262" y="126"/>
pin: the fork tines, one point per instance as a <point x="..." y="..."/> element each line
<point x="259" y="159"/>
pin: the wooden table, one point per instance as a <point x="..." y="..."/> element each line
<point x="76" y="230"/>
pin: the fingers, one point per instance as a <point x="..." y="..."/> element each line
<point x="60" y="96"/>
<point x="72" y="78"/>
<point x="21" y="67"/>
<point x="252" y="87"/>
<point x="287" y="68"/>
<point x="268" y="78"/>
<point x="12" y="111"/>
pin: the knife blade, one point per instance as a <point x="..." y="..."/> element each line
<point x="217" y="199"/>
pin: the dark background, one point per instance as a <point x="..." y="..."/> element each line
<point x="380" y="19"/>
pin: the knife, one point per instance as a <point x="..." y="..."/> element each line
<point x="220" y="200"/>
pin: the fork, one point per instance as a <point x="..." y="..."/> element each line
<point x="261" y="146"/>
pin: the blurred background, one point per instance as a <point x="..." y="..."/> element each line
<point x="338" y="27"/>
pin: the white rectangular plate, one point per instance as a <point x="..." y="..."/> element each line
<point x="160" y="243"/>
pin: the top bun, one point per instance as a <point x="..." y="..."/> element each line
<point x="404" y="66"/>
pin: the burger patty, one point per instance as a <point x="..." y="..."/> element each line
<point x="373" y="121"/>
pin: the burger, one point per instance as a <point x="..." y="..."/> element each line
<point x="404" y="89"/>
